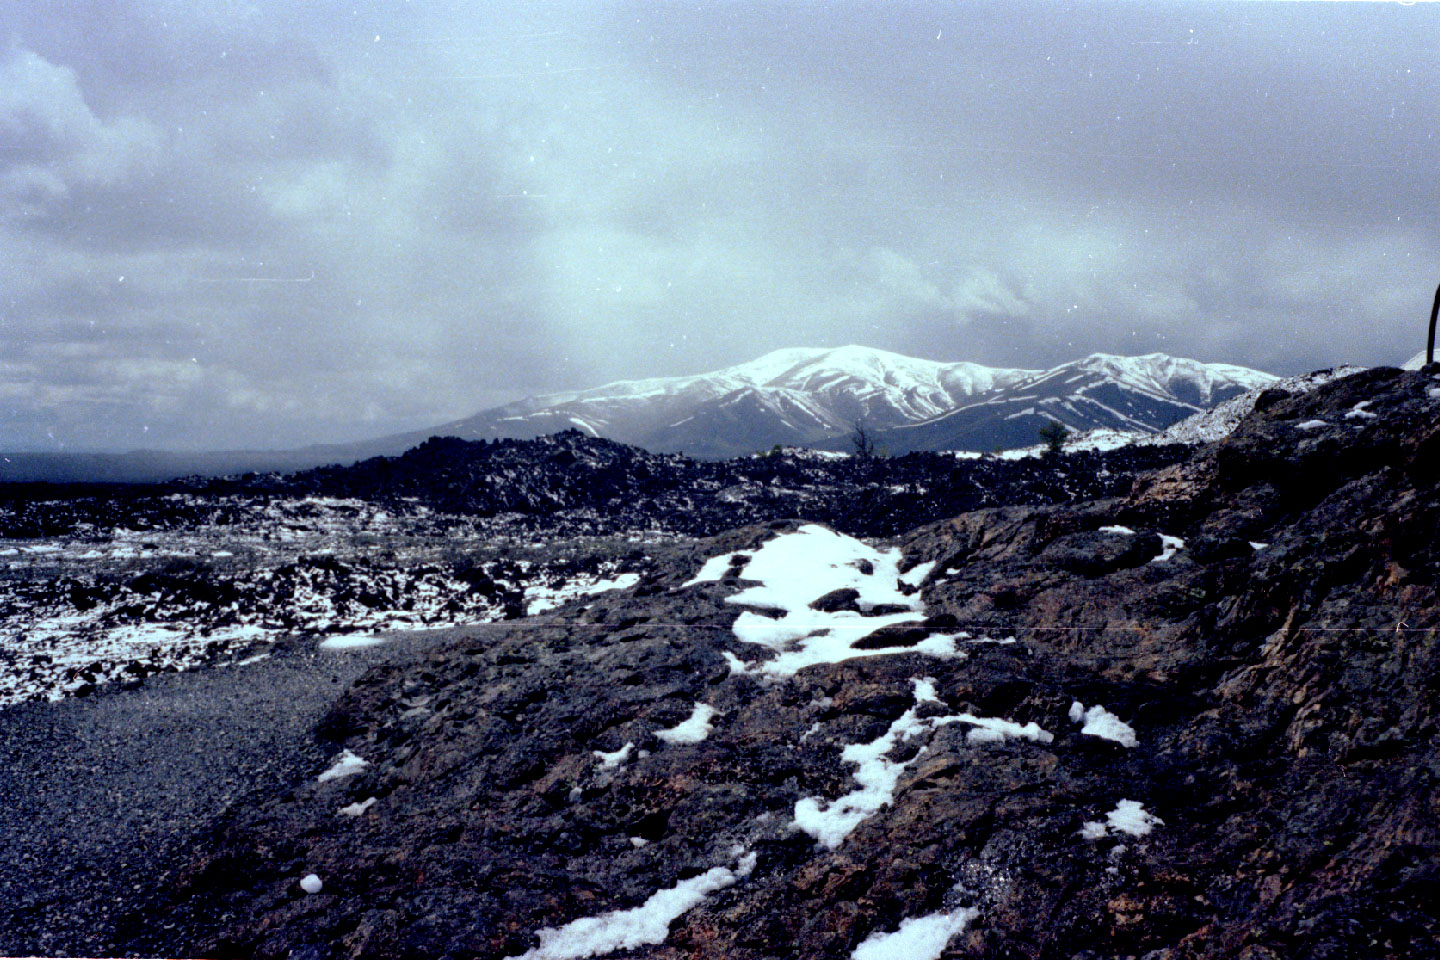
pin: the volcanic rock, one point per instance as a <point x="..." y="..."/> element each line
<point x="1282" y="699"/>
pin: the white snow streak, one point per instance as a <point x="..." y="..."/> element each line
<point x="995" y="730"/>
<point x="1129" y="817"/>
<point x="830" y="823"/>
<point x="345" y="765"/>
<point x="1358" y="412"/>
<point x="639" y="926"/>
<point x="713" y="570"/>
<point x="609" y="761"/>
<point x="539" y="598"/>
<point x="920" y="938"/>
<point x="355" y="809"/>
<point x="692" y="730"/>
<point x="350" y="641"/>
<point x="1100" y="722"/>
<point x="1168" y="546"/>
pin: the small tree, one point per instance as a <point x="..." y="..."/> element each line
<point x="1054" y="434"/>
<point x="863" y="443"/>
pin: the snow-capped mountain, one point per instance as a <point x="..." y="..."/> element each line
<point x="795" y="396"/>
<point x="1134" y="394"/>
<point x="808" y="396"/>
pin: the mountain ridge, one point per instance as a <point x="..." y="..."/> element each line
<point x="815" y="396"/>
<point x="797" y="396"/>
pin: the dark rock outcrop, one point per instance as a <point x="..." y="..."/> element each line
<point x="1279" y="675"/>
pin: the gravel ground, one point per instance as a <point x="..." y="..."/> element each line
<point x="96" y="793"/>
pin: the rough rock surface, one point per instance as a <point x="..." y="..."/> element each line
<point x="1278" y="671"/>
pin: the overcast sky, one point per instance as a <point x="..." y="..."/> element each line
<point x="262" y="224"/>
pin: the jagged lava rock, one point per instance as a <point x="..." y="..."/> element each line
<point x="1282" y="701"/>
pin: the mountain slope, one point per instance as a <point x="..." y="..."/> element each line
<point x="815" y="396"/>
<point x="1143" y="394"/>
<point x="793" y="396"/>
<point x="799" y="396"/>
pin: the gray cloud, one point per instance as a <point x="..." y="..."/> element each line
<point x="267" y="224"/>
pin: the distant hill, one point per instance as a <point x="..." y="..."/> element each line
<point x="814" y="397"/>
<point x="1141" y="395"/>
<point x="795" y="397"/>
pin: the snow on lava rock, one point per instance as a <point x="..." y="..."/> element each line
<point x="1168" y="547"/>
<point x="878" y="775"/>
<point x="694" y="729"/>
<point x="919" y="938"/>
<point x="613" y="759"/>
<point x="351" y="641"/>
<point x="795" y="570"/>
<point x="640" y="926"/>
<point x="540" y="598"/>
<point x="1129" y="817"/>
<point x="345" y="765"/>
<point x="711" y="571"/>
<point x="1100" y="722"/>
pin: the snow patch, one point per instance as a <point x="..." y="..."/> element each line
<point x="1168" y="546"/>
<point x="640" y="926"/>
<point x="692" y="730"/>
<point x="355" y="809"/>
<point x="1116" y="528"/>
<point x="609" y="761"/>
<point x="830" y="823"/>
<point x="995" y="730"/>
<point x="1311" y="425"/>
<point x="1358" y="412"/>
<point x="917" y="574"/>
<point x="1100" y="722"/>
<point x="539" y="598"/>
<point x="1129" y="817"/>
<point x="920" y="938"/>
<point x="350" y="641"/>
<point x="712" y="570"/>
<point x="796" y="569"/>
<point x="345" y="765"/>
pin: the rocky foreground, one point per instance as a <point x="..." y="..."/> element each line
<point x="1198" y="720"/>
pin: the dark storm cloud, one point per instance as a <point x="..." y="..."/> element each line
<point x="266" y="224"/>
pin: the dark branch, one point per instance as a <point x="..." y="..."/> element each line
<point x="1430" y="343"/>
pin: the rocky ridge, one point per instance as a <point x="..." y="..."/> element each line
<point x="1195" y="720"/>
<point x="101" y="585"/>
